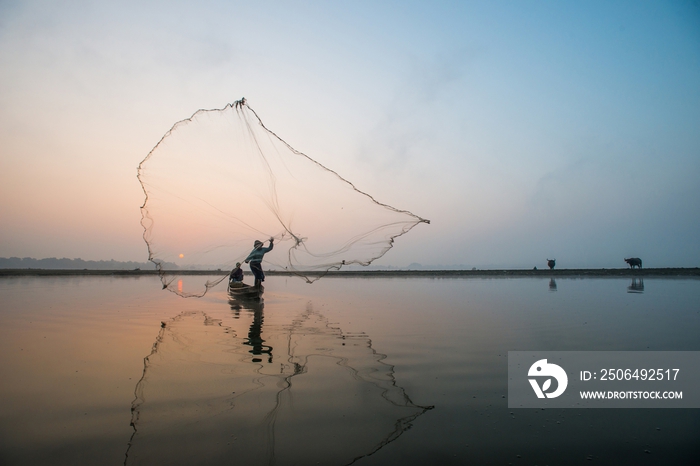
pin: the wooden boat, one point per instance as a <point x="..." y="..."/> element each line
<point x="240" y="290"/>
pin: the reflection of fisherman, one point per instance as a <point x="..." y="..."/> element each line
<point x="255" y="336"/>
<point x="255" y="257"/>
<point x="236" y="274"/>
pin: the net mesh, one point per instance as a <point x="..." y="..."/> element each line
<point x="220" y="180"/>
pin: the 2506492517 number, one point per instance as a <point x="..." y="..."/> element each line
<point x="639" y="374"/>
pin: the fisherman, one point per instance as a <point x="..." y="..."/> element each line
<point x="255" y="258"/>
<point x="236" y="274"/>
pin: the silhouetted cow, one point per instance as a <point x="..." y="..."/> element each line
<point x="551" y="263"/>
<point x="634" y="262"/>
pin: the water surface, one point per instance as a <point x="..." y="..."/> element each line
<point x="103" y="370"/>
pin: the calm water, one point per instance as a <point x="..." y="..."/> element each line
<point x="373" y="371"/>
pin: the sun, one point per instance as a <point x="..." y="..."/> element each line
<point x="181" y="255"/>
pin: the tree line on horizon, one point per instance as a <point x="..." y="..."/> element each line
<point x="66" y="264"/>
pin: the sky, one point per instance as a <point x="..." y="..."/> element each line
<point x="524" y="130"/>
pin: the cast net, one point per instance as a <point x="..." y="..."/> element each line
<point x="220" y="180"/>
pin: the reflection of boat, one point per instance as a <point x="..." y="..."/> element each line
<point x="244" y="298"/>
<point x="240" y="290"/>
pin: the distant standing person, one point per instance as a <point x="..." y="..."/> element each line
<point x="551" y="263"/>
<point x="255" y="258"/>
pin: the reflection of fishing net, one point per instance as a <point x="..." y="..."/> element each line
<point x="323" y="397"/>
<point x="220" y="180"/>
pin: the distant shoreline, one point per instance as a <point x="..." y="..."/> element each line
<point x="622" y="272"/>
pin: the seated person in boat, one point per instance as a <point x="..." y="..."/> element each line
<point x="255" y="258"/>
<point x="236" y="278"/>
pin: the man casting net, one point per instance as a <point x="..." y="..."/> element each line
<point x="220" y="180"/>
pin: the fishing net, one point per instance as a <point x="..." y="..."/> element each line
<point x="220" y="180"/>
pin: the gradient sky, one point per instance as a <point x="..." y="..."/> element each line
<point x="523" y="130"/>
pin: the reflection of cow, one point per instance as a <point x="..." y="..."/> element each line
<point x="551" y="263"/>
<point x="637" y="286"/>
<point x="634" y="262"/>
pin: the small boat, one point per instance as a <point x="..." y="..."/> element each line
<point x="241" y="290"/>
